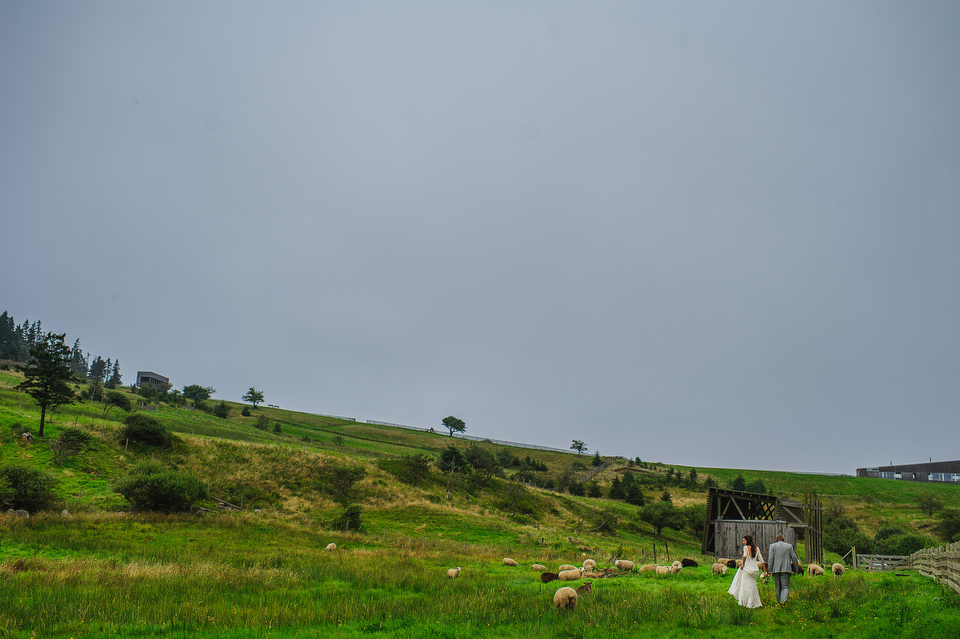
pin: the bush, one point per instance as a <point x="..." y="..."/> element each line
<point x="151" y="487"/>
<point x="28" y="488"/>
<point x="245" y="412"/>
<point x="350" y="519"/>
<point x="949" y="525"/>
<point x="905" y="544"/>
<point x="146" y="430"/>
<point x="221" y="410"/>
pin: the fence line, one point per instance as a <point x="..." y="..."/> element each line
<point x="470" y="437"/>
<point x="941" y="564"/>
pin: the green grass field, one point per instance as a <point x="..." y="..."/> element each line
<point x="104" y="571"/>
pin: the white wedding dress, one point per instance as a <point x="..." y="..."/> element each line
<point x="744" y="586"/>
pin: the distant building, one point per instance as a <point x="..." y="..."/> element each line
<point x="948" y="471"/>
<point x="146" y="377"/>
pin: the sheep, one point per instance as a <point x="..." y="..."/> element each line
<point x="330" y="547"/>
<point x="453" y="573"/>
<point x="570" y="575"/>
<point x="565" y="599"/>
<point x="814" y="570"/>
<point x="688" y="563"/>
<point x="509" y="562"/>
<point x="720" y="569"/>
<point x="586" y="588"/>
<point x="838" y="570"/>
<point x="648" y="568"/>
<point x="589" y="564"/>
<point x="738" y="563"/>
<point x="538" y="567"/>
<point x="547" y="577"/>
<point x="729" y="563"/>
<point x="675" y="568"/>
<point x="663" y="570"/>
<point x="624" y="564"/>
<point x="566" y="567"/>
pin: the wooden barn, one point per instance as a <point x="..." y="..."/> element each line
<point x="731" y="514"/>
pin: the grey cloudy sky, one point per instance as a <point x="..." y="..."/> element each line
<point x="706" y="233"/>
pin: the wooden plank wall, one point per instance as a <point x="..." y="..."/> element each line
<point x="942" y="564"/>
<point x="730" y="535"/>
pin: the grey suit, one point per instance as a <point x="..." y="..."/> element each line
<point x="781" y="563"/>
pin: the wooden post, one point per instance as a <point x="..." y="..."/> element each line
<point x="654" y="552"/>
<point x="80" y="495"/>
<point x="667" y="549"/>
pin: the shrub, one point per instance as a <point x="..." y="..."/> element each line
<point x="146" y="430"/>
<point x="349" y="519"/>
<point x="905" y="544"/>
<point x="28" y="488"/>
<point x="221" y="410"/>
<point x="245" y="412"/>
<point x="151" y="487"/>
<point x="949" y="525"/>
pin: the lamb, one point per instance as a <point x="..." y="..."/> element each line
<point x="565" y="599"/>
<point x="624" y="564"/>
<point x="330" y="547"/>
<point x="663" y="570"/>
<point x="814" y="570"/>
<point x="688" y="563"/>
<point x="453" y="573"/>
<point x="547" y="577"/>
<point x="586" y="588"/>
<point x="566" y="567"/>
<point x="570" y="575"/>
<point x="648" y="568"/>
<point x="589" y="564"/>
<point x="538" y="567"/>
<point x="675" y="568"/>
<point x="719" y="569"/>
<point x="509" y="562"/>
<point x="838" y="570"/>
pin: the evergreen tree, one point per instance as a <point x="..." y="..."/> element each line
<point x="596" y="459"/>
<point x="616" y="489"/>
<point x="739" y="483"/>
<point x="98" y="369"/>
<point x="78" y="363"/>
<point x="47" y="374"/>
<point x="114" y="380"/>
<point x="635" y="496"/>
<point x="8" y="337"/>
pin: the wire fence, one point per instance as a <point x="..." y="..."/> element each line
<point x="469" y="437"/>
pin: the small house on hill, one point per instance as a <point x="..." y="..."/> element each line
<point x="146" y="377"/>
<point x="731" y="514"/>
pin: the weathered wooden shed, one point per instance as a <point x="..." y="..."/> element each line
<point x="731" y="514"/>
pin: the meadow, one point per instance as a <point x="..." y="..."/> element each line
<point x="102" y="570"/>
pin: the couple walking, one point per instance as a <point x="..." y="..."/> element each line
<point x="783" y="563"/>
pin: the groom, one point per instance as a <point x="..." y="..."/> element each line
<point x="782" y="562"/>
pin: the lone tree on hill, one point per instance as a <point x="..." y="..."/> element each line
<point x="578" y="446"/>
<point x="47" y="374"/>
<point x="197" y="392"/>
<point x="253" y="396"/>
<point x="451" y="423"/>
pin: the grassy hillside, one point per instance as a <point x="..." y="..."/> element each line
<point x="103" y="570"/>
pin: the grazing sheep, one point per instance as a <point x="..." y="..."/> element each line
<point x="688" y="563"/>
<point x="663" y="570"/>
<point x="596" y="574"/>
<point x="814" y="570"/>
<point x="586" y="588"/>
<point x="624" y="564"/>
<point x="838" y="570"/>
<point x="565" y="599"/>
<point x="589" y="564"/>
<point x="720" y="569"/>
<point x="330" y="547"/>
<point x="538" y="567"/>
<point x="675" y="568"/>
<point x="648" y="568"/>
<point x="453" y="573"/>
<point x="737" y="564"/>
<point x="547" y="577"/>
<point x="566" y="567"/>
<point x="509" y="562"/>
<point x="570" y="575"/>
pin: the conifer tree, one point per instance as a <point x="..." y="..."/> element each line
<point x="47" y="374"/>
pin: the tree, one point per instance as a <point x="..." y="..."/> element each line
<point x="451" y="459"/>
<point x="115" y="378"/>
<point x="98" y="369"/>
<point x="739" y="483"/>
<point x="221" y="410"/>
<point x="633" y="495"/>
<point x="578" y="446"/>
<point x="929" y="504"/>
<point x="597" y="460"/>
<point x="662" y="514"/>
<point x="451" y="423"/>
<point x="756" y="486"/>
<point x="253" y="396"/>
<point x="616" y="488"/>
<point x="118" y="399"/>
<point x="949" y="525"/>
<point x="197" y="392"/>
<point x="47" y="374"/>
<point x="483" y="462"/>
<point x="78" y="363"/>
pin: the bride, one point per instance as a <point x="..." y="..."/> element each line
<point x="744" y="586"/>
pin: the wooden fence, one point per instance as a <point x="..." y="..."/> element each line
<point x="881" y="562"/>
<point x="943" y="564"/>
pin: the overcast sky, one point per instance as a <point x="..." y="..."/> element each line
<point x="707" y="233"/>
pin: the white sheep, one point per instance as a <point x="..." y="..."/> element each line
<point x="648" y="568"/>
<point x="624" y="564"/>
<point x="589" y="564"/>
<point x="719" y="569"/>
<point x="453" y="573"/>
<point x="663" y="571"/>
<point x="509" y="562"/>
<point x="566" y="567"/>
<point x="838" y="570"/>
<point x="330" y="547"/>
<point x="675" y="568"/>
<point x="538" y="567"/>
<point x="814" y="570"/>
<point x="570" y="575"/>
<point x="565" y="599"/>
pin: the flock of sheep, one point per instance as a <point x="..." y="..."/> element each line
<point x="565" y="598"/>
